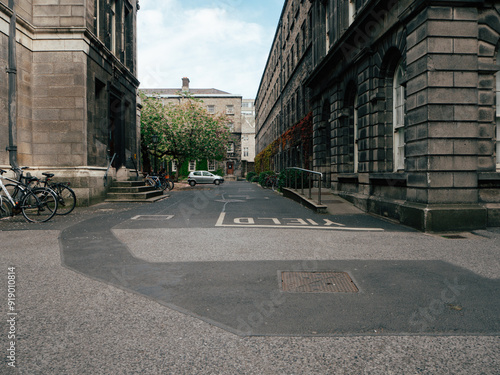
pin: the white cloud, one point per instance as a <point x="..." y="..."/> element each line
<point x="210" y="45"/>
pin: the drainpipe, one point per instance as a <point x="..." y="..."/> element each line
<point x="12" y="73"/>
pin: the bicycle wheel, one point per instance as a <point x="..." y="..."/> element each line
<point x="163" y="183"/>
<point x="39" y="205"/>
<point x="5" y="208"/>
<point x="66" y="199"/>
<point x="170" y="184"/>
<point x="150" y="182"/>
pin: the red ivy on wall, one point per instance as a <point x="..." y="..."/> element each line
<point x="299" y="134"/>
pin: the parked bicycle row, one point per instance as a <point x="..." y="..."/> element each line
<point x="37" y="199"/>
<point x="159" y="181"/>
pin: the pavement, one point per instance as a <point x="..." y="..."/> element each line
<point x="193" y="285"/>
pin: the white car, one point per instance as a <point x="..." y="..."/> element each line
<point x="204" y="177"/>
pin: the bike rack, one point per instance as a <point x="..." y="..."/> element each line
<point x="310" y="177"/>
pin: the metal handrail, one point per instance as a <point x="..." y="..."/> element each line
<point x="310" y="174"/>
<point x="107" y="170"/>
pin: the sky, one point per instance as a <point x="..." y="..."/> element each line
<point x="222" y="44"/>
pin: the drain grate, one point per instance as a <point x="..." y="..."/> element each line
<point x="317" y="282"/>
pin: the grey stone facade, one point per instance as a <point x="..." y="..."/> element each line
<point x="404" y="108"/>
<point x="76" y="89"/>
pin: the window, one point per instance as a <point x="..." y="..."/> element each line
<point x="355" y="135"/>
<point x="112" y="15"/>
<point x="211" y="109"/>
<point x="245" y="137"/>
<point x="230" y="109"/>
<point x="245" y="151"/>
<point x="231" y="127"/>
<point x="497" y="117"/>
<point x="174" y="165"/>
<point x="230" y="147"/>
<point x="211" y="165"/>
<point x="398" y="111"/>
<point x="352" y="11"/>
<point x="98" y="18"/>
<point x="351" y="140"/>
<point x="192" y="165"/>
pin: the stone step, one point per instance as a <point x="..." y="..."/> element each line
<point x="144" y="195"/>
<point x="128" y="183"/>
<point x="133" y="189"/>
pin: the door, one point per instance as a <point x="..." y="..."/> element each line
<point x="116" y="133"/>
<point x="230" y="167"/>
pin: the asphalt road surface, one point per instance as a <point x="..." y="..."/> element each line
<point x="269" y="285"/>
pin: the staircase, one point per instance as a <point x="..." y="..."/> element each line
<point x="133" y="191"/>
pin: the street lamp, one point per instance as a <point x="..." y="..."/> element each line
<point x="154" y="139"/>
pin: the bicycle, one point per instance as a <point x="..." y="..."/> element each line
<point x="272" y="181"/>
<point x="66" y="197"/>
<point x="37" y="205"/>
<point x="166" y="183"/>
<point x="160" y="182"/>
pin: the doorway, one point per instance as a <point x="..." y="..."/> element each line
<point x="230" y="167"/>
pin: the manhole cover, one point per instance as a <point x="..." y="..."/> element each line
<point x="317" y="282"/>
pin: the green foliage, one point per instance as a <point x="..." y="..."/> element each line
<point x="255" y="178"/>
<point x="293" y="178"/>
<point x="219" y="172"/>
<point x="263" y="177"/>
<point x="299" y="134"/>
<point x="186" y="131"/>
<point x="250" y="176"/>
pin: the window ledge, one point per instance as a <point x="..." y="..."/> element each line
<point x="488" y="180"/>
<point x="389" y="179"/>
<point x="348" y="177"/>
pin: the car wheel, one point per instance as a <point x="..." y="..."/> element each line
<point x="192" y="183"/>
<point x="217" y="182"/>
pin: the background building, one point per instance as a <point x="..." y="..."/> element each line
<point x="215" y="101"/>
<point x="68" y="95"/>
<point x="404" y="105"/>
<point x="247" y="135"/>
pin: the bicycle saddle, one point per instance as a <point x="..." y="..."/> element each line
<point x="49" y="175"/>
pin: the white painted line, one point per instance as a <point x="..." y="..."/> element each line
<point x="298" y="227"/>
<point x="221" y="219"/>
<point x="152" y="217"/>
<point x="247" y="223"/>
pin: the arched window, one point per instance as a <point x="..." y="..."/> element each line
<point x="497" y="116"/>
<point x="398" y="113"/>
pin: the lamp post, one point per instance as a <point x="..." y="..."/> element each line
<point x="154" y="139"/>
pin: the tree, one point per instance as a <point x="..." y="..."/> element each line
<point x="186" y="131"/>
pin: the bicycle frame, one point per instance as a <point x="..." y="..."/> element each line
<point x="6" y="192"/>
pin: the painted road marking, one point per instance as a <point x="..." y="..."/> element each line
<point x="152" y="217"/>
<point x="289" y="223"/>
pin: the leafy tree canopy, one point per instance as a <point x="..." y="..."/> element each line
<point x="185" y="131"/>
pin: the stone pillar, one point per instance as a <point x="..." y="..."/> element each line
<point x="444" y="149"/>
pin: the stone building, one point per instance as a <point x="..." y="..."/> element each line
<point x="247" y="135"/>
<point x="404" y="96"/>
<point x="215" y="101"/>
<point x="68" y="95"/>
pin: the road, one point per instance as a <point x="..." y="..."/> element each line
<point x="237" y="279"/>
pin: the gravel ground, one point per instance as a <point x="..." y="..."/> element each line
<point x="70" y="324"/>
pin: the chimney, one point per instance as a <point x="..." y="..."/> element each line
<point x="185" y="84"/>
